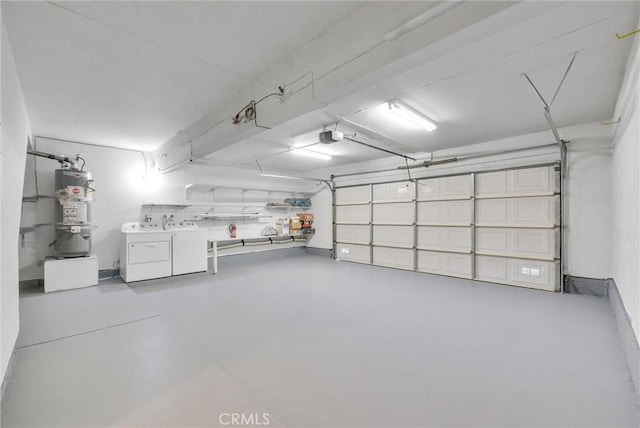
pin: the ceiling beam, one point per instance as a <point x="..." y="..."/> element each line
<point x="342" y="61"/>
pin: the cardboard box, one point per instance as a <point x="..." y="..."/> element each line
<point x="294" y="226"/>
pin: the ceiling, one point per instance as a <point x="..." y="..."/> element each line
<point x="135" y="74"/>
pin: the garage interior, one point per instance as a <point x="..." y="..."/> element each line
<point x="320" y="213"/>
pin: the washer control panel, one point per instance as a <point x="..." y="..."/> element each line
<point x="141" y="227"/>
<point x="184" y="224"/>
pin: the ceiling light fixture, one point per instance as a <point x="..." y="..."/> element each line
<point x="409" y="116"/>
<point x="294" y="177"/>
<point x="289" y="177"/>
<point x="311" y="154"/>
<point x="420" y="20"/>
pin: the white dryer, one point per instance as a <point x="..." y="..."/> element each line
<point x="145" y="252"/>
<point x="189" y="247"/>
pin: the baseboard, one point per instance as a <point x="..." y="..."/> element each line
<point x="627" y="336"/>
<point x="587" y="286"/>
<point x="31" y="283"/>
<point x="7" y="374"/>
<point x="324" y="252"/>
<point x="108" y="273"/>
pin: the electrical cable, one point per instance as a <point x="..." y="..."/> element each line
<point x="251" y="112"/>
<point x="279" y="93"/>
<point x="83" y="162"/>
<point x="255" y="120"/>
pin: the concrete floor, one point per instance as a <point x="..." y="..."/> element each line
<point x="313" y="342"/>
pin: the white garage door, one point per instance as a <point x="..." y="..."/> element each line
<point x="500" y="226"/>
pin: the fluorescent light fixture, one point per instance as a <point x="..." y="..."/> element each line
<point x="314" y="146"/>
<point x="409" y="116"/>
<point x="311" y="154"/>
<point x="420" y="20"/>
<point x="289" y="177"/>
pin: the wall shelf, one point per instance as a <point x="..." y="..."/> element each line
<point x="250" y="210"/>
<point x="230" y="216"/>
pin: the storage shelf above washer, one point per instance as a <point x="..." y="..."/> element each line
<point x="228" y="216"/>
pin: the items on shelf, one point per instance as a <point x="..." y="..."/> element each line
<point x="282" y="226"/>
<point x="298" y="202"/>
<point x="269" y="231"/>
<point x="294" y="225"/>
<point x="306" y="219"/>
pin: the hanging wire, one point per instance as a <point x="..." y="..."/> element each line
<point x="250" y="112"/>
<point x="83" y="162"/>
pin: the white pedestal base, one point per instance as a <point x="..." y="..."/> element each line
<point x="67" y="274"/>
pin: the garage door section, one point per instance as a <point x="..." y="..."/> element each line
<point x="353" y="224"/>
<point x="393" y="208"/>
<point x="517" y="235"/>
<point x="445" y="218"/>
<point x="500" y="226"/>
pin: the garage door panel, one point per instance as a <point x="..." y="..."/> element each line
<point x="394" y="192"/>
<point x="354" y="234"/>
<point x="393" y="257"/>
<point x="518" y="182"/>
<point x="533" y="180"/>
<point x="522" y="272"/>
<point x="401" y="213"/>
<point x="498" y="226"/>
<point x="393" y="236"/>
<point x="353" y="195"/>
<point x="458" y="187"/>
<point x="492" y="211"/>
<point x="491" y="183"/>
<point x="444" y="238"/>
<point x="353" y="253"/>
<point x="534" y="243"/>
<point x="450" y="264"/>
<point x="445" y="213"/>
<point x="492" y="240"/>
<point x="359" y="214"/>
<point x="513" y="212"/>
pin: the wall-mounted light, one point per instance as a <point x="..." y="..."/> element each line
<point x="409" y="116"/>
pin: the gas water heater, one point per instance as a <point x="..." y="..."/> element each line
<point x="73" y="193"/>
<point x="73" y="213"/>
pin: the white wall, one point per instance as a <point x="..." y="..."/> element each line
<point x="588" y="228"/>
<point x="323" y="222"/>
<point x="626" y="192"/>
<point x="15" y="131"/>
<point x="120" y="192"/>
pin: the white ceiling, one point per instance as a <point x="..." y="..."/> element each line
<point x="136" y="73"/>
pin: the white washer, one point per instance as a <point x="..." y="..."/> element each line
<point x="145" y="252"/>
<point x="189" y="247"/>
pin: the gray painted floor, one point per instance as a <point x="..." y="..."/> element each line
<point x="314" y="342"/>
